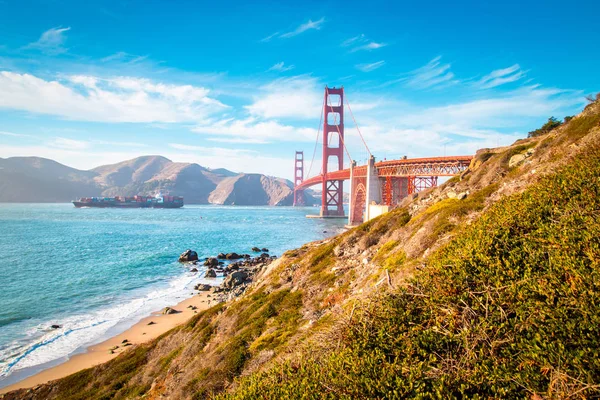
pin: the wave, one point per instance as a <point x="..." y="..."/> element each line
<point x="44" y="345"/>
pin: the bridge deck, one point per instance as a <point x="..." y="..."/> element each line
<point x="433" y="166"/>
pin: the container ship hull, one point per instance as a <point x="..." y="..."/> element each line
<point x="130" y="202"/>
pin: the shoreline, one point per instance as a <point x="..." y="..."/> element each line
<point x="140" y="332"/>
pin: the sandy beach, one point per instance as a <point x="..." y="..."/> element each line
<point x="141" y="332"/>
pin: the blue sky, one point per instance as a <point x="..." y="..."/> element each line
<point x="240" y="84"/>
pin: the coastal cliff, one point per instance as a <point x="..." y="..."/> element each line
<point x="493" y="293"/>
<point x="34" y="179"/>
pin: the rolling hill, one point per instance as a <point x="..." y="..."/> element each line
<point x="35" y="179"/>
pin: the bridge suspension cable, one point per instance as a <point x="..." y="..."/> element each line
<point x="357" y="128"/>
<point x="316" y="140"/>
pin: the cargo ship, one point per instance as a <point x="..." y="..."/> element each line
<point x="158" y="201"/>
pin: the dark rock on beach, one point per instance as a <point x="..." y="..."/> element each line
<point x="210" y="273"/>
<point x="211" y="262"/>
<point x="203" y="287"/>
<point x="235" y="279"/>
<point x="256" y="249"/>
<point x="55" y="326"/>
<point x="221" y="256"/>
<point x="169" y="310"/>
<point x="188" y="255"/>
<point x="233" y="256"/>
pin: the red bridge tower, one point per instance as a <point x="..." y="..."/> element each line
<point x="298" y="178"/>
<point x="333" y="146"/>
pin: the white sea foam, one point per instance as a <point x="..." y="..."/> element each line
<point x="80" y="331"/>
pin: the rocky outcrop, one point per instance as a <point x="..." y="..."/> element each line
<point x="211" y="262"/>
<point x="188" y="255"/>
<point x="210" y="273"/>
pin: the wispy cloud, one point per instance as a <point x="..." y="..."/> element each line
<point x="501" y="76"/>
<point x="121" y="99"/>
<point x="253" y="130"/>
<point x="124" y="57"/>
<point x="432" y="75"/>
<point x="268" y="38"/>
<point x="12" y="134"/>
<point x="361" y="42"/>
<point x="281" y="67"/>
<point x="119" y="144"/>
<point x="298" y="97"/>
<point x="370" y="67"/>
<point x="51" y="42"/>
<point x="224" y="152"/>
<point x="310" y="25"/>
<point x="69" y="144"/>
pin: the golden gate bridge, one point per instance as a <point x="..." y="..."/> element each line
<point x="376" y="183"/>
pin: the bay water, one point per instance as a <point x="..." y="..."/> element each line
<point x="95" y="272"/>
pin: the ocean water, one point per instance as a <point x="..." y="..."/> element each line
<point x="95" y="272"/>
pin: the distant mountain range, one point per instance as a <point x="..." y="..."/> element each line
<point x="35" y="179"/>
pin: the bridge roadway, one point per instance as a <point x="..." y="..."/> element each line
<point x="410" y="167"/>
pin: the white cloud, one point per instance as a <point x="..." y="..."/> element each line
<point x="361" y="42"/>
<point x="462" y="127"/>
<point x="369" y="46"/>
<point x="281" y="67"/>
<point x="256" y="130"/>
<point x="51" y="42"/>
<point x="5" y="133"/>
<point x="121" y="99"/>
<point x="119" y="144"/>
<point x="354" y="40"/>
<point x="304" y="27"/>
<point x="501" y="76"/>
<point x="268" y="38"/>
<point x="295" y="97"/>
<point x="123" y="57"/>
<point x="222" y="151"/>
<point x="370" y="67"/>
<point x="433" y="75"/>
<point x="69" y="144"/>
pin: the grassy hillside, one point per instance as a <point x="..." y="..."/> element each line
<point x="509" y="308"/>
<point x="493" y="296"/>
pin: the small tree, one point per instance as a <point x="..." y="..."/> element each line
<point x="593" y="99"/>
<point x="547" y="127"/>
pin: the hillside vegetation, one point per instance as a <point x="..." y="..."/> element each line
<point x="493" y="296"/>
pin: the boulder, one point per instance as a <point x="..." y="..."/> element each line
<point x="55" y="326"/>
<point x="451" y="195"/>
<point x="462" y="196"/>
<point x="247" y="256"/>
<point x="203" y="287"/>
<point x="264" y="250"/>
<point x="169" y="310"/>
<point x="235" y="279"/>
<point x="221" y="256"/>
<point x="233" y="256"/>
<point x="210" y="273"/>
<point x="516" y="159"/>
<point x="188" y="255"/>
<point x="264" y="255"/>
<point x="256" y="249"/>
<point x="194" y="270"/>
<point x="211" y="262"/>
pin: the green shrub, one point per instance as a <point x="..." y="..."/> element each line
<point x="510" y="308"/>
<point x="547" y="127"/>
